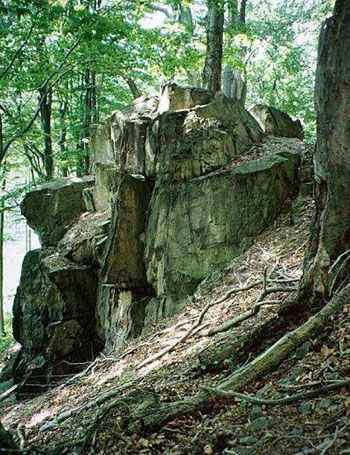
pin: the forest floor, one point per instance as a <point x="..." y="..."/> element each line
<point x="50" y="422"/>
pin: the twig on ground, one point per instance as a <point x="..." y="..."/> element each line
<point x="330" y="443"/>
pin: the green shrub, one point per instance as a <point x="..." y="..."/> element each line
<point x="7" y="339"/>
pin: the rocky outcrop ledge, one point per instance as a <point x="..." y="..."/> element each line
<point x="182" y="184"/>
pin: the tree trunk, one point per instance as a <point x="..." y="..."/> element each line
<point x="2" y="229"/>
<point x="242" y="11"/>
<point x="232" y="12"/>
<point x="89" y="116"/>
<point x="2" y="154"/>
<point x="45" y="98"/>
<point x="62" y="142"/>
<point x="213" y="61"/>
<point x="132" y="86"/>
<point x="331" y="233"/>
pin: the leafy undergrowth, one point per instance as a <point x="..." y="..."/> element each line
<point x="6" y="340"/>
<point x="314" y="426"/>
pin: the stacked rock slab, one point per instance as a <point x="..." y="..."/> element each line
<point x="183" y="184"/>
<point x="55" y="303"/>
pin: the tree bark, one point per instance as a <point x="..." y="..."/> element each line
<point x="89" y="115"/>
<point x="2" y="229"/>
<point x="242" y="11"/>
<point x="331" y="232"/>
<point x="213" y="61"/>
<point x="45" y="100"/>
<point x="62" y="142"/>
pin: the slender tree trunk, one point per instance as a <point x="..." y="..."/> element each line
<point x="2" y="232"/>
<point x="89" y="111"/>
<point x="1" y="141"/>
<point x="133" y="87"/>
<point x="45" y="119"/>
<point x="323" y="273"/>
<point x="186" y="18"/>
<point x="242" y="11"/>
<point x="213" y="61"/>
<point x="2" y="222"/>
<point x="234" y="83"/>
<point x="63" y="136"/>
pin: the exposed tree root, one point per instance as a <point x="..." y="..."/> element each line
<point x="99" y="401"/>
<point x="234" y="347"/>
<point x="227" y="325"/>
<point x="156" y="415"/>
<point x="286" y="400"/>
<point x="8" y="392"/>
<point x="197" y="326"/>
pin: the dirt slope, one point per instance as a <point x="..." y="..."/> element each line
<point x="319" y="425"/>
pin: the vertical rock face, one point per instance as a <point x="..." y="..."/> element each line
<point x="200" y="224"/>
<point x="183" y="184"/>
<point x="54" y="316"/>
<point x="276" y="122"/>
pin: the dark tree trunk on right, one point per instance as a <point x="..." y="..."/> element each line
<point x="331" y="231"/>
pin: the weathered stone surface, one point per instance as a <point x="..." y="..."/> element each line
<point x="278" y="123"/>
<point x="174" y="97"/>
<point x="50" y="209"/>
<point x="54" y="315"/>
<point x="120" y="141"/>
<point x="199" y="225"/>
<point x="209" y="134"/>
<point x="124" y="263"/>
<point x="233" y="85"/>
<point x="123" y="284"/>
<point x="191" y="143"/>
<point x="105" y="186"/>
<point x="85" y="242"/>
<point x="120" y="315"/>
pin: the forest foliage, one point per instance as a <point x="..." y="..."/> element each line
<point x="66" y="64"/>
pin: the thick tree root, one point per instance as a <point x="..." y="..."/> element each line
<point x="286" y="400"/>
<point x="153" y="418"/>
<point x="273" y="356"/>
<point x="234" y="347"/>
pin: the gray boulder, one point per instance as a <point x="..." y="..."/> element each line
<point x="277" y="123"/>
<point x="50" y="209"/>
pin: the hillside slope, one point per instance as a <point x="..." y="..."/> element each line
<point x="104" y="396"/>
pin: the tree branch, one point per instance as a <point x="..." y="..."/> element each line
<point x="16" y="54"/>
<point x="45" y="87"/>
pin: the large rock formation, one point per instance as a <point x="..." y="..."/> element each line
<point x="183" y="184"/>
